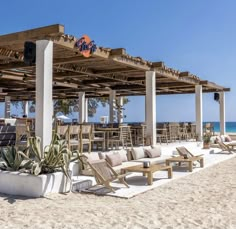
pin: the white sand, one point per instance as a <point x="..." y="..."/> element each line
<point x="206" y="199"/>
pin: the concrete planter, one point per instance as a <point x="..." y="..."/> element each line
<point x="23" y="184"/>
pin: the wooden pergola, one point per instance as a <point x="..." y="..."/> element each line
<point x="107" y="69"/>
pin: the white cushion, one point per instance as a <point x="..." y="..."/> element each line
<point x="222" y="138"/>
<point x="92" y="156"/>
<point x="123" y="155"/>
<point x="213" y="139"/>
<point x="138" y="152"/>
<point x="103" y="155"/>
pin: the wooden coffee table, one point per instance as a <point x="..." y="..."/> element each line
<point x="149" y="171"/>
<point x="189" y="160"/>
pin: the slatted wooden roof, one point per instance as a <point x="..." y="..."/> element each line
<point x="106" y="69"/>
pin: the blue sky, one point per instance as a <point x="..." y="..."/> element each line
<point x="196" y="36"/>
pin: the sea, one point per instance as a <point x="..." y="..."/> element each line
<point x="229" y="126"/>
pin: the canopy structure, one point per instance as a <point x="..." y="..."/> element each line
<point x="106" y="69"/>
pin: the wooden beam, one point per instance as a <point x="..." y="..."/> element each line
<point x="118" y="52"/>
<point x="184" y="74"/>
<point x="31" y="34"/>
<point x="159" y="64"/>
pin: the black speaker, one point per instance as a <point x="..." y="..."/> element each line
<point x="29" y="53"/>
<point x="216" y="96"/>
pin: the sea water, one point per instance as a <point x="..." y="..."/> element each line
<point x="229" y="126"/>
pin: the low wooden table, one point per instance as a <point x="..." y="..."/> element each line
<point x="188" y="160"/>
<point x="149" y="171"/>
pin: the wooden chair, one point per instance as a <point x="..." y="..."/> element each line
<point x="173" y="131"/>
<point x="104" y="174"/>
<point x="141" y="135"/>
<point x="74" y="137"/>
<point x="125" y="136"/>
<point x="162" y="134"/>
<point x="22" y="134"/>
<point x="193" y="131"/>
<point x="98" y="138"/>
<point x="63" y="132"/>
<point x="85" y="137"/>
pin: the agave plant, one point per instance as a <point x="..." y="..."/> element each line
<point x="55" y="157"/>
<point x="13" y="160"/>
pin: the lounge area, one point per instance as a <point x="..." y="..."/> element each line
<point x="136" y="178"/>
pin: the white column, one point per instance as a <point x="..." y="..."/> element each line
<point x="145" y="120"/>
<point x="112" y="106"/>
<point x="86" y="110"/>
<point x="222" y="113"/>
<point x="81" y="107"/>
<point x="151" y="106"/>
<point x="120" y="115"/>
<point x="7" y="106"/>
<point x="198" y="110"/>
<point x="26" y="108"/>
<point x="44" y="102"/>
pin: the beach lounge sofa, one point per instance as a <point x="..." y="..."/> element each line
<point x="227" y="148"/>
<point x="133" y="156"/>
<point x="104" y="174"/>
<point x="226" y="139"/>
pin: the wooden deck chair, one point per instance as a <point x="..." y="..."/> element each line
<point x="186" y="153"/>
<point x="226" y="148"/>
<point x="104" y="174"/>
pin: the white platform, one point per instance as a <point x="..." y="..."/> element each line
<point x="23" y="184"/>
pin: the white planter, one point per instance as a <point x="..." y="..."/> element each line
<point x="16" y="183"/>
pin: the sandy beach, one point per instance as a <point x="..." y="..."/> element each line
<point x="206" y="199"/>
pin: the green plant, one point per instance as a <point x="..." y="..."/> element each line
<point x="13" y="160"/>
<point x="206" y="138"/>
<point x="55" y="157"/>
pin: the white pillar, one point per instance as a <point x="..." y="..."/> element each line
<point x="120" y="115"/>
<point x="81" y="107"/>
<point x="112" y="108"/>
<point x="151" y="106"/>
<point x="7" y="106"/>
<point x="145" y="120"/>
<point x="198" y="103"/>
<point x="44" y="102"/>
<point x="222" y="113"/>
<point x="86" y="110"/>
<point x="26" y="108"/>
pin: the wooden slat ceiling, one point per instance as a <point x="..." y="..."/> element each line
<point x="107" y="69"/>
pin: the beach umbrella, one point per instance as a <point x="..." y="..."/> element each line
<point x="62" y="117"/>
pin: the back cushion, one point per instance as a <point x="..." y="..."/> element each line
<point x="137" y="153"/>
<point x="228" y="138"/>
<point x="114" y="159"/>
<point x="222" y="138"/>
<point x="123" y="155"/>
<point x="153" y="152"/>
<point x="103" y="155"/>
<point x="122" y="152"/>
<point x="92" y="156"/>
<point x="213" y="139"/>
<point x="218" y="139"/>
